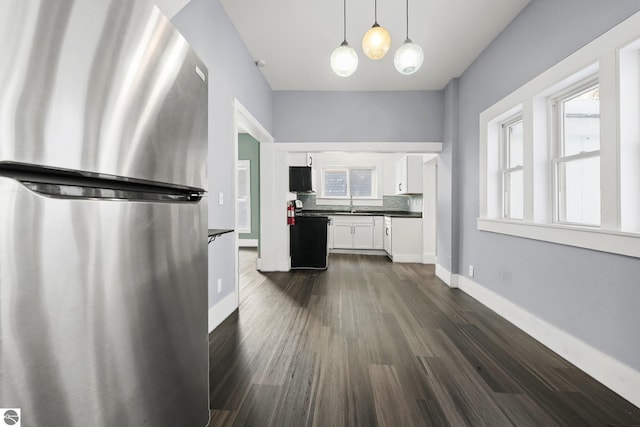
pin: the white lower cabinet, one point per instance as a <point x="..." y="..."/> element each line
<point x="378" y="232"/>
<point x="386" y="237"/>
<point x="403" y="239"/>
<point x="356" y="232"/>
<point x="342" y="234"/>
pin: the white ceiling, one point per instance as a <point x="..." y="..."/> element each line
<point x="295" y="38"/>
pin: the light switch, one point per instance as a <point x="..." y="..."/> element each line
<point x="221" y="198"/>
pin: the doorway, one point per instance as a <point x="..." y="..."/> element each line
<point x="244" y="123"/>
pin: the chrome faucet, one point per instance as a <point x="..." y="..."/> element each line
<point x="351" y="209"/>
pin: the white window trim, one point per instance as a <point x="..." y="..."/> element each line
<point x="601" y="56"/>
<point x="557" y="140"/>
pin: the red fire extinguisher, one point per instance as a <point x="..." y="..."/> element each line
<point x="291" y="213"/>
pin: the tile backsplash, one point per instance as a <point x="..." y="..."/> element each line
<point x="404" y="203"/>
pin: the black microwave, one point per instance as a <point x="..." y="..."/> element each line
<point x="300" y="179"/>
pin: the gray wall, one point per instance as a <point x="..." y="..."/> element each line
<point x="446" y="210"/>
<point x="591" y="295"/>
<point x="232" y="74"/>
<point x="410" y="116"/>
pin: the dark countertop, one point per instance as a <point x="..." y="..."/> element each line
<point x="215" y="232"/>
<point x="364" y="212"/>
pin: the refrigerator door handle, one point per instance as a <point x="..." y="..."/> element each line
<point x="68" y="184"/>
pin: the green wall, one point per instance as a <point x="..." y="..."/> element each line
<point x="249" y="149"/>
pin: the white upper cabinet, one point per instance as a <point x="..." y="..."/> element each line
<point x="409" y="175"/>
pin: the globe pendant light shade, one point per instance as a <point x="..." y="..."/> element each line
<point x="408" y="58"/>
<point x="344" y="60"/>
<point x="376" y="42"/>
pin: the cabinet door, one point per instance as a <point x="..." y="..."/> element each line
<point x="406" y="239"/>
<point x="387" y="236"/>
<point x="413" y="174"/>
<point x="342" y="235"/>
<point x="378" y="232"/>
<point x="330" y="234"/>
<point x="363" y="236"/>
<point x="401" y="176"/>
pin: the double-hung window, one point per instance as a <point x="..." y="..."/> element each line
<point x="576" y="160"/>
<point x="511" y="168"/>
<point x="345" y="182"/>
<point x="581" y="151"/>
<point x="244" y="196"/>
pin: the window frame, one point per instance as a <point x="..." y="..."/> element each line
<point x="348" y="170"/>
<point x="558" y="158"/>
<point x="506" y="170"/>
<point x="615" y="58"/>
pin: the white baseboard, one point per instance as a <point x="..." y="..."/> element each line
<point x="358" y="251"/>
<point x="451" y="280"/>
<point x="219" y="312"/>
<point x="428" y="258"/>
<point x="247" y="243"/>
<point x="273" y="264"/>
<point x="415" y="258"/>
<point x="612" y="373"/>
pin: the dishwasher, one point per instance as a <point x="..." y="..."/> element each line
<point x="308" y="242"/>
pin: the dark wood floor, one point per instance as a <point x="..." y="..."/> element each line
<point x="372" y="343"/>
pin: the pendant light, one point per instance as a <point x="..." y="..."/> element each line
<point x="344" y="59"/>
<point x="377" y="41"/>
<point x="409" y="56"/>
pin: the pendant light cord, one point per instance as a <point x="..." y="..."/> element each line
<point x="375" y="11"/>
<point x="407" y="19"/>
<point x="344" y="11"/>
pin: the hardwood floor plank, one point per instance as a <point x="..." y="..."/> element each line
<point x="462" y="395"/>
<point x="489" y="360"/>
<point x="295" y="405"/>
<point x="523" y="411"/>
<point x="391" y="408"/>
<point x="331" y="376"/>
<point x="360" y="400"/>
<point x="258" y="406"/>
<point x="221" y="418"/>
<point x="369" y="342"/>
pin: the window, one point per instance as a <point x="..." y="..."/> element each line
<point x="345" y="182"/>
<point x="576" y="161"/>
<point x="580" y="151"/>
<point x="511" y="168"/>
<point x="244" y="196"/>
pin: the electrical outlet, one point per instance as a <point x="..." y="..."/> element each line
<point x="221" y="198"/>
<point x="219" y="285"/>
<point x="471" y="270"/>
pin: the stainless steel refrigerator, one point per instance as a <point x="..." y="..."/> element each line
<point x="103" y="216"/>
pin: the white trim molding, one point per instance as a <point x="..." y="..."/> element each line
<point x="223" y="309"/>
<point x="451" y="280"/>
<point x="407" y="258"/>
<point x="614" y="374"/>
<point x="428" y="258"/>
<point x="616" y="242"/>
<point x="357" y="147"/>
<point x="248" y="243"/>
